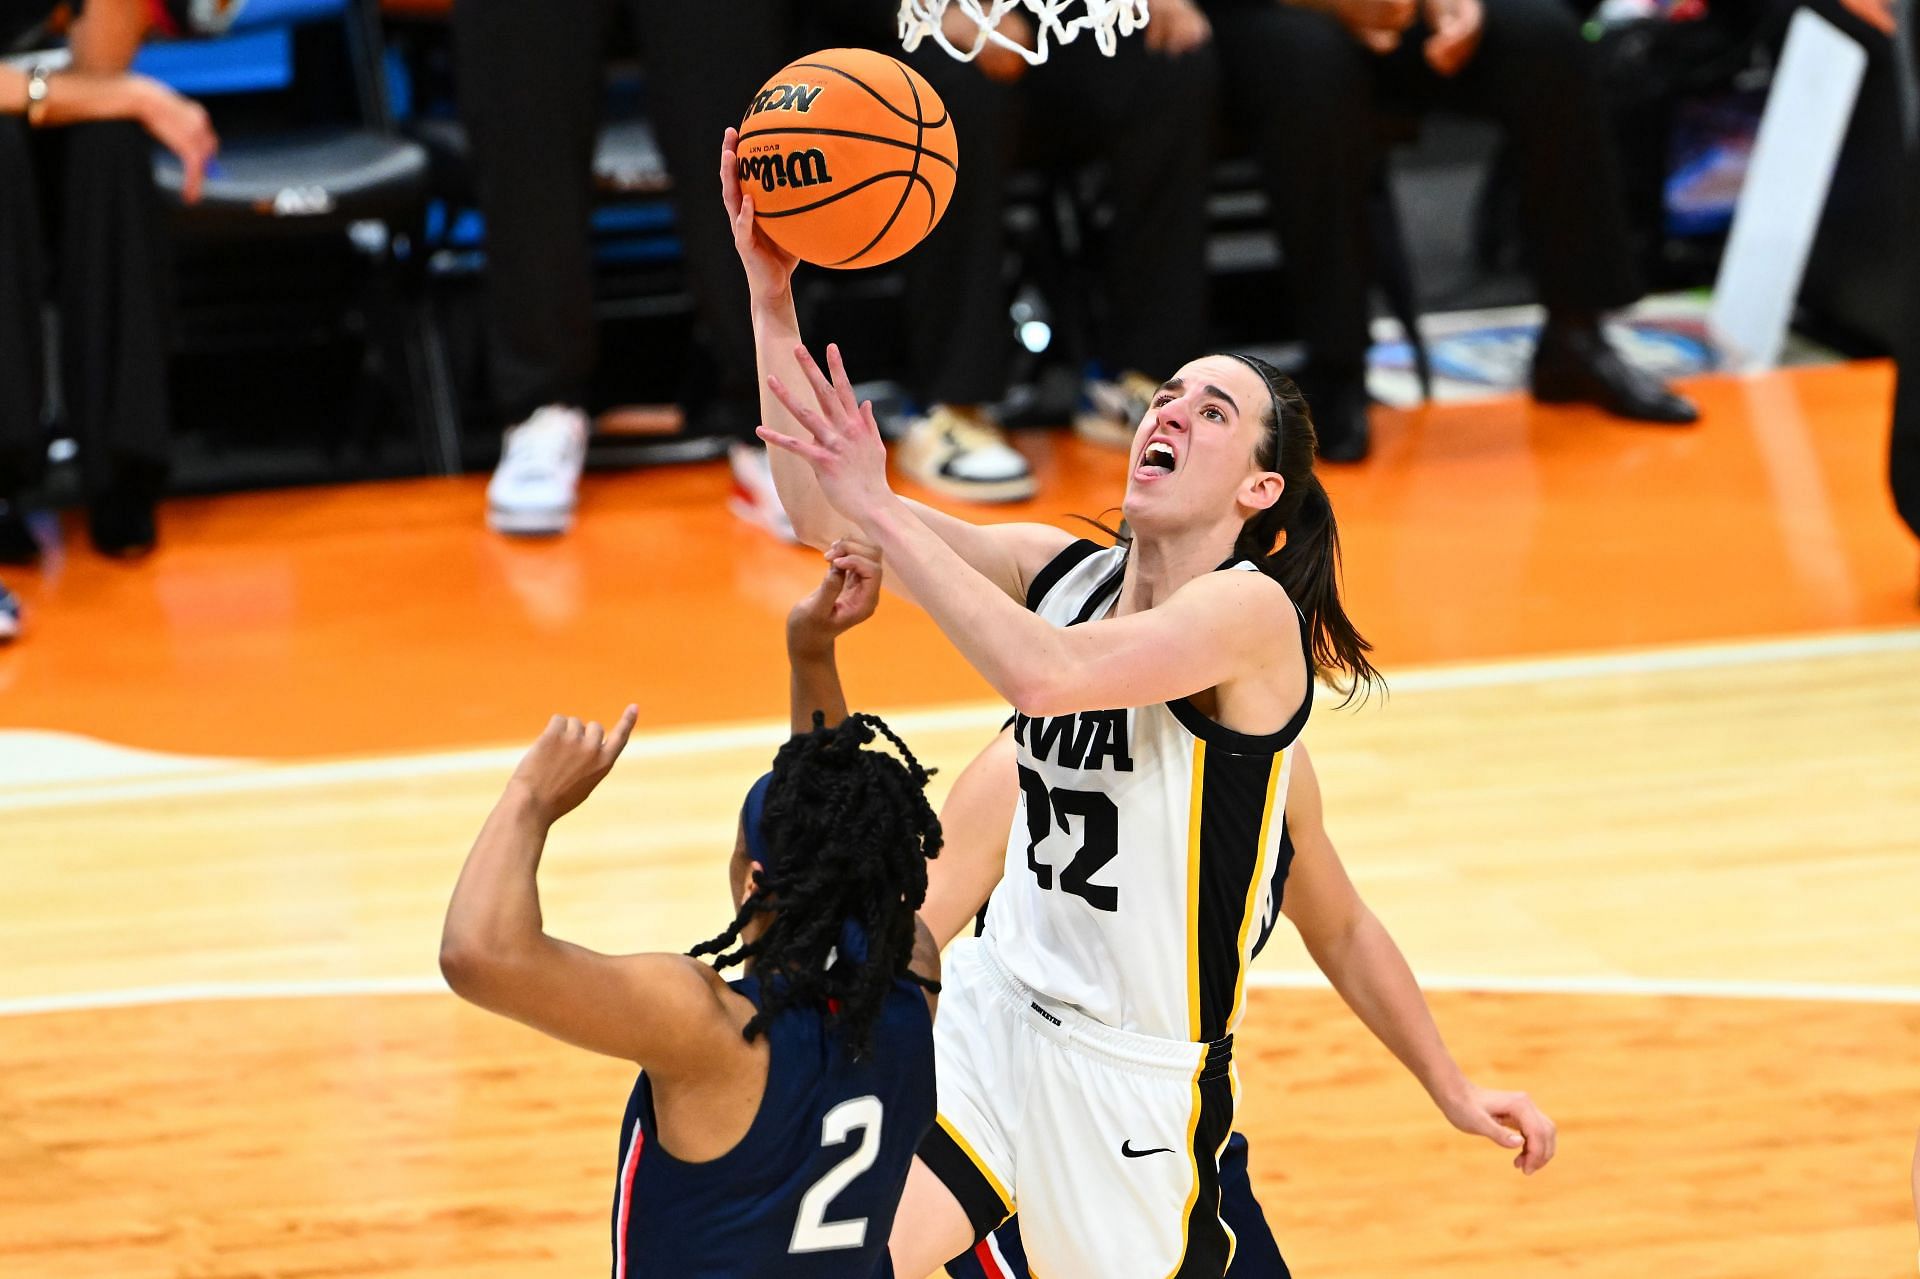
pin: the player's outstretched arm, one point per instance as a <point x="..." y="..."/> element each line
<point x="846" y="597"/>
<point x="1353" y="949"/>
<point x="661" y="1011"/>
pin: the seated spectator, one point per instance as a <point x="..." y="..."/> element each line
<point x="1147" y="114"/>
<point x="77" y="141"/>
<point x="1305" y="79"/>
<point x="532" y="88"/>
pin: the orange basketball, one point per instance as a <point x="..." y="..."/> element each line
<point x="850" y="158"/>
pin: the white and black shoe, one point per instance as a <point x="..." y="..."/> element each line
<point x="962" y="453"/>
<point x="537" y="484"/>
<point x="9" y="615"/>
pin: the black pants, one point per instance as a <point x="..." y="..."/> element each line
<point x="91" y="186"/>
<point x="1148" y="119"/>
<point x="1903" y="469"/>
<point x="531" y="92"/>
<point x="1307" y="95"/>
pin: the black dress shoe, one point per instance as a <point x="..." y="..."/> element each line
<point x="1339" y="408"/>
<point x="120" y="520"/>
<point x="1579" y="366"/>
<point x="17" y="543"/>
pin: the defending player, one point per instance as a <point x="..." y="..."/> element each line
<point x="772" y="1125"/>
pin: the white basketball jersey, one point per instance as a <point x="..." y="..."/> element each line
<point x="1143" y="865"/>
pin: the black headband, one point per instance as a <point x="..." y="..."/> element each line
<point x="1273" y="398"/>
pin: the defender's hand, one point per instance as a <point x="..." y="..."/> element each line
<point x="846" y="597"/>
<point x="567" y="762"/>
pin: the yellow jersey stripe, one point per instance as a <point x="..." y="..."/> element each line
<point x="1194" y="827"/>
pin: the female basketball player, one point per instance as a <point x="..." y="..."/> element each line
<point x="1085" y="1054"/>
<point x="773" y="1124"/>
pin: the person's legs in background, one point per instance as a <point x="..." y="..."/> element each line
<point x="1148" y="115"/>
<point x="1533" y="74"/>
<point x="22" y="286"/>
<point x="115" y="298"/>
<point x="958" y="333"/>
<point x="531" y="92"/>
<point x="1903" y="453"/>
<point x="22" y="448"/>
<point x="693" y="96"/>
<point x="1301" y="91"/>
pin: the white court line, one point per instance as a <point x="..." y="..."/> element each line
<point x="978" y="716"/>
<point x="1644" y="987"/>
<point x="1626" y="987"/>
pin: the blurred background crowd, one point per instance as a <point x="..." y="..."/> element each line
<point x="248" y="243"/>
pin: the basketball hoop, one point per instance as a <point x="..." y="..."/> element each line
<point x="1054" y="20"/>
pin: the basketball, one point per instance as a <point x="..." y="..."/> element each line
<point x="849" y="156"/>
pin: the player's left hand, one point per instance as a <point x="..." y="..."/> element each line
<point x="1509" y="1120"/>
<point x="1457" y="26"/>
<point x="844" y="447"/>
<point x="845" y="598"/>
<point x="1175" y="27"/>
<point x="567" y="762"/>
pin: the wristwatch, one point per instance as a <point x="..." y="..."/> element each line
<point x="37" y="94"/>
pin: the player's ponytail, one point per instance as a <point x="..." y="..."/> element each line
<point x="1296" y="541"/>
<point x="847" y="832"/>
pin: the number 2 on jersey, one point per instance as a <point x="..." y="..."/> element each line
<point x="812" y="1232"/>
<point x="1099" y="837"/>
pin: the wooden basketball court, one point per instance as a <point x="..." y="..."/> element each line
<point x="1641" y="808"/>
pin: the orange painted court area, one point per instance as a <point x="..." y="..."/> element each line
<point x="383" y="617"/>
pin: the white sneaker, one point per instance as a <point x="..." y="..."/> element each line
<point x="536" y="485"/>
<point x="961" y="453"/>
<point x="754" y="498"/>
<point x="9" y="615"/>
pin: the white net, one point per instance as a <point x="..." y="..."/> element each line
<point x="1053" y="21"/>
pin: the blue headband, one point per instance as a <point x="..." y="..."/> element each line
<point x="753" y="815"/>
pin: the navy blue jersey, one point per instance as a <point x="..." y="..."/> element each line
<point x="810" y="1191"/>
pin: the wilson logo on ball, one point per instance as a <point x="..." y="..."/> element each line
<point x="785" y="97"/>
<point x="795" y="169"/>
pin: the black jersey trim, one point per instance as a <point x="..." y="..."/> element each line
<point x="1209" y="1247"/>
<point x="1214" y="733"/>
<point x="1283" y="866"/>
<point x="1056" y="568"/>
<point x="1233" y="791"/>
<point x="947" y="1160"/>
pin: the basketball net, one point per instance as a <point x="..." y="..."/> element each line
<point x="1061" y="20"/>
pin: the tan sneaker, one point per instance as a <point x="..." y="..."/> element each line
<point x="961" y="452"/>
<point x="1110" y="412"/>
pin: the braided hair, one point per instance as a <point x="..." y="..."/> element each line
<point x="846" y="834"/>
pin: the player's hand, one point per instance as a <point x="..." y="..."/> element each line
<point x="1176" y="27"/>
<point x="1378" y="24"/>
<point x="567" y="762"/>
<point x="1457" y="26"/>
<point x="1877" y="14"/>
<point x="1509" y="1120"/>
<point x="769" y="267"/>
<point x="845" y="598"/>
<point x="181" y="126"/>
<point x="842" y="443"/>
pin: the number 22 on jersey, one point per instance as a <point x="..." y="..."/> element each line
<point x="1051" y="811"/>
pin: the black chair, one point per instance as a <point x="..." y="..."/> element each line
<point x="312" y="223"/>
